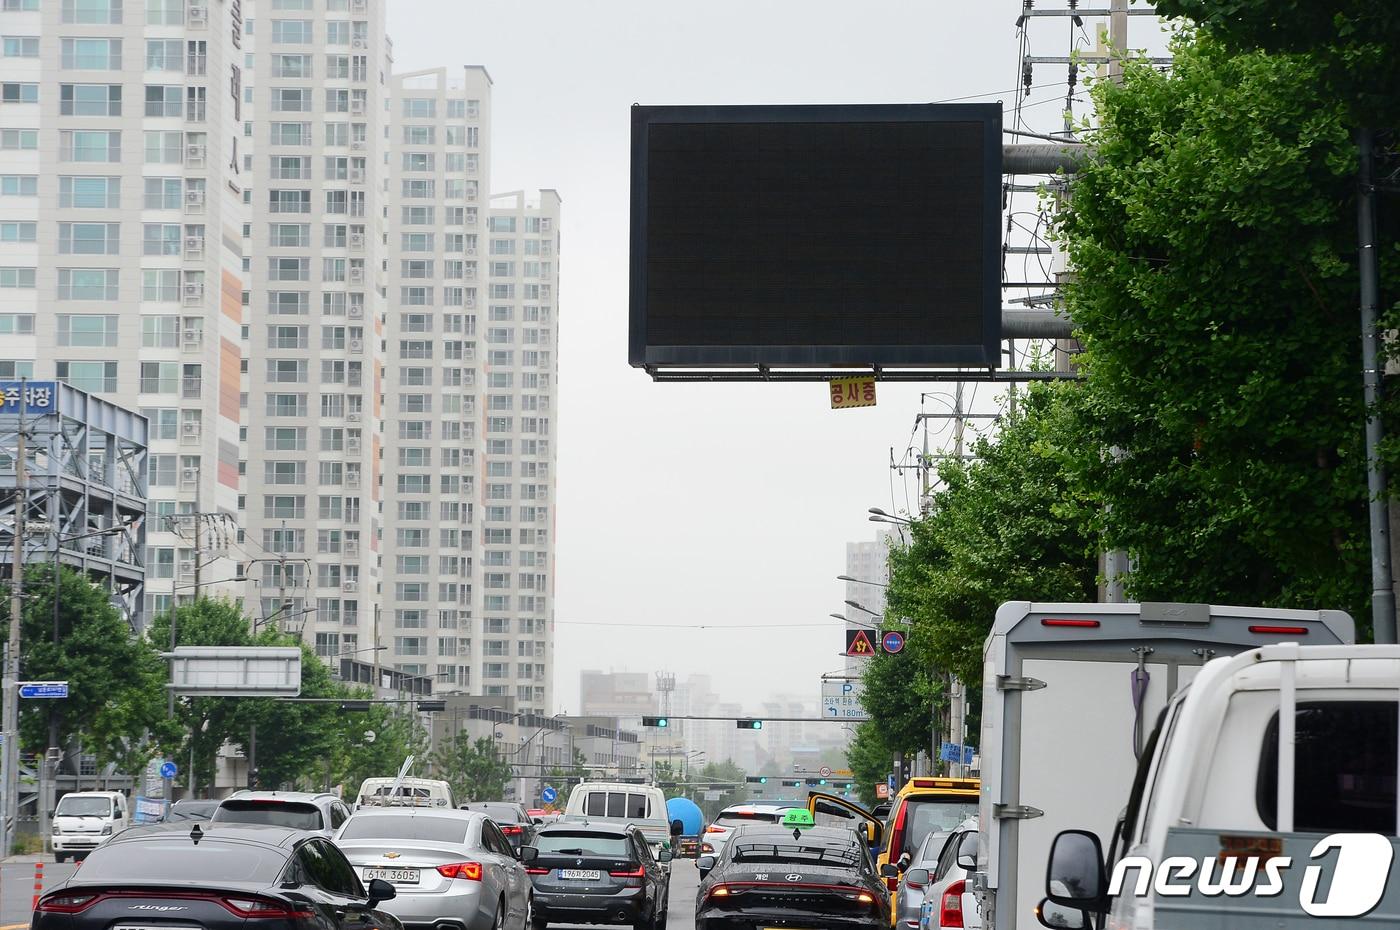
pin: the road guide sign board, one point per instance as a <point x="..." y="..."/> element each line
<point x="43" y="689"/>
<point x="852" y="392"/>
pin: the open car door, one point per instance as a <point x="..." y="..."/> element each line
<point x="828" y="810"/>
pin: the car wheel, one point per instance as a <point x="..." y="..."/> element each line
<point x="500" y="922"/>
<point x="59" y="857"/>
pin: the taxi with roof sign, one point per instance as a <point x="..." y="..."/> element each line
<point x="791" y="875"/>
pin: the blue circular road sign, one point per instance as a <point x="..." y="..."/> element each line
<point x="893" y="642"/>
<point x="549" y="795"/>
<point x="168" y="770"/>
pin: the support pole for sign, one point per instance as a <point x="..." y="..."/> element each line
<point x="9" y="816"/>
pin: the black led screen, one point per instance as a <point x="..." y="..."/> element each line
<point x="859" y="236"/>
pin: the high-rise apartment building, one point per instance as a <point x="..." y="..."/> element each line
<point x="121" y="211"/>
<point x="437" y="178"/>
<point x="868" y="562"/>
<point x="231" y="215"/>
<point x="313" y="162"/>
<point x="519" y="376"/>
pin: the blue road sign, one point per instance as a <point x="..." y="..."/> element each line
<point x="950" y="752"/>
<point x="168" y="770"/>
<point x="43" y="689"/>
<point x="35" y="397"/>
<point x="890" y="781"/>
<point x="967" y="755"/>
<point x="549" y="795"/>
<point x="893" y="642"/>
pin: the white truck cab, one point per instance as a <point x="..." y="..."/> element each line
<point x="1070" y="696"/>
<point x="84" y="820"/>
<point x="1282" y="759"/>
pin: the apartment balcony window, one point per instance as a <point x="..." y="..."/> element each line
<point x="93" y="377"/>
<point x="196" y="58"/>
<point x="196" y="108"/>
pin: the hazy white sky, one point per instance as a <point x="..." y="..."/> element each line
<point x="681" y="505"/>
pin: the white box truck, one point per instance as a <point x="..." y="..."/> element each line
<point x="1266" y="800"/>
<point x="1070" y="694"/>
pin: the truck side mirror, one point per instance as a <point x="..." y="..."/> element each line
<point x="677" y="827"/>
<point x="889" y="870"/>
<point x="1075" y="876"/>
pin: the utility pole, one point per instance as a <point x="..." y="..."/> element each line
<point x="9" y="817"/>
<point x="956" y="708"/>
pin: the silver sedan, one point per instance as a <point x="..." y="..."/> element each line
<point x="453" y="870"/>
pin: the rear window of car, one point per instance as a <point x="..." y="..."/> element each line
<point x="1343" y="768"/>
<point x="932" y="815"/>
<point x="183" y="861"/>
<point x="615" y="804"/>
<point x="779" y="853"/>
<point x="739" y="818"/>
<point x="294" y="815"/>
<point x="584" y="844"/>
<point x="501" y="813"/>
<point x="429" y="829"/>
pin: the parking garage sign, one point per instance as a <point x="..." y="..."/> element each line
<point x="32" y="398"/>
<point x="841" y="701"/>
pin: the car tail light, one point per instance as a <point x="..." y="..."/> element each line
<point x="471" y="871"/>
<point x="537" y="871"/>
<point x="719" y="891"/>
<point x="1279" y="630"/>
<point x="1073" y="623"/>
<point x="706" y="848"/>
<point x="636" y="873"/>
<point x="714" y="829"/>
<point x="263" y="909"/>
<point x="950" y="913"/>
<point x="510" y="830"/>
<point x="67" y="902"/>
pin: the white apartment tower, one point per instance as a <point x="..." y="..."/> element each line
<point x="121" y="212"/>
<point x="437" y="178"/>
<point x="520" y="371"/>
<point x="313" y="159"/>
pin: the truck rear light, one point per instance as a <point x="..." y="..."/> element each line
<point x="950" y="909"/>
<point x="896" y="846"/>
<point x="1071" y="623"/>
<point x="471" y="871"/>
<point x="1268" y="630"/>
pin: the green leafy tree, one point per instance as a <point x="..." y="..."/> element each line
<point x="115" y="678"/>
<point x="1219" y="433"/>
<point x="718" y="773"/>
<point x="869" y="757"/>
<point x="564" y="778"/>
<point x="293" y="739"/>
<point x="473" y="769"/>
<point x="396" y="736"/>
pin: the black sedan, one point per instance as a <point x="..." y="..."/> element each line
<point x="513" y="820"/>
<point x="817" y="878"/>
<point x="596" y="875"/>
<point x="215" y="877"/>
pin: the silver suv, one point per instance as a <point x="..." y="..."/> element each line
<point x="314" y="812"/>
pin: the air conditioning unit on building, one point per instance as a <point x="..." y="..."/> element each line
<point x="352" y="445"/>
<point x="359" y="6"/>
<point x="352" y="550"/>
<point x="186" y="568"/>
<point x="350" y="587"/>
<point x="194" y="246"/>
<point x="356" y="312"/>
<point x="359" y="43"/>
<point x="197" y="16"/>
<point x="471" y="250"/>
<point x="357" y="242"/>
<point x="194" y="152"/>
<point x="190" y="429"/>
<point x="357" y="274"/>
<point x="357" y="146"/>
<point x="194" y="293"/>
<point x="189" y="475"/>
<point x="357" y="104"/>
<point x="357" y="345"/>
<point x="192" y="341"/>
<point x="352" y="417"/>
<point x="352" y="479"/>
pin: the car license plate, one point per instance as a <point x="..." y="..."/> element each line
<point x="393" y="876"/>
<point x="583" y="875"/>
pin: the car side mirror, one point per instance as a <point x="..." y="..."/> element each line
<point x="528" y="854"/>
<point x="1059" y="917"/>
<point x="677" y="828"/>
<point x="1075" y="878"/>
<point x="705" y="864"/>
<point x="666" y="856"/>
<point x="967" y="853"/>
<point x="536" y="821"/>
<point x="380" y="891"/>
<point x="889" y="870"/>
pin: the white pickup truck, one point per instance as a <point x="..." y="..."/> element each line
<point x="1266" y="798"/>
<point x="1071" y="693"/>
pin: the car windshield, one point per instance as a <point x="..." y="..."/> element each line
<point x="184" y="861"/>
<point x="584" y="844"/>
<point x="407" y="827"/>
<point x="290" y="814"/>
<point x="934" y="816"/>
<point x="739" y="818"/>
<point x="84" y="807"/>
<point x="797" y="853"/>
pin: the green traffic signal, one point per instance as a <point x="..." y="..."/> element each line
<point x="661" y="722"/>
<point x="749" y="724"/>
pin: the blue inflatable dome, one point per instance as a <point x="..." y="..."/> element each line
<point x="688" y="813"/>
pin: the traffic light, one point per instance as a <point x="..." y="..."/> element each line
<point x="756" y="779"/>
<point x="430" y="707"/>
<point x="661" y="722"/>
<point x="749" y="724"/>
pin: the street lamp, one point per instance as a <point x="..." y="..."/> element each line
<point x="873" y="584"/>
<point x="879" y="516"/>
<point x="844" y="619"/>
<point x="862" y="608"/>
